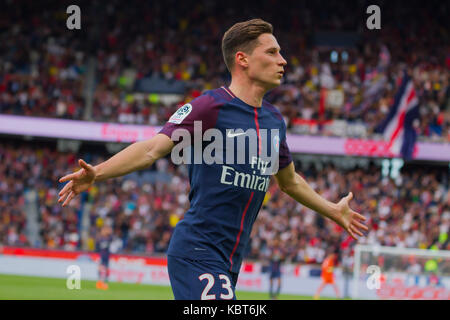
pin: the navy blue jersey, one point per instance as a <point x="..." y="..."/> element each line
<point x="275" y="262"/>
<point x="275" y="265"/>
<point x="225" y="198"/>
<point x="102" y="246"/>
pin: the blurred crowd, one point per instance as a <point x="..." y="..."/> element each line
<point x="410" y="211"/>
<point x="44" y="66"/>
<point x="26" y="171"/>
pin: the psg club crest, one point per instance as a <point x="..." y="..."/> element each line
<point x="181" y="113"/>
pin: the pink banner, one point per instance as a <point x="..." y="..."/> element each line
<point x="113" y="132"/>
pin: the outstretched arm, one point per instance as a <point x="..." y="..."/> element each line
<point x="136" y="156"/>
<point x="297" y="188"/>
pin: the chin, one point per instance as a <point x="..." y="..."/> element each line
<point x="270" y="84"/>
<point x="276" y="83"/>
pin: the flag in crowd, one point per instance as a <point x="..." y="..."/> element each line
<point x="397" y="127"/>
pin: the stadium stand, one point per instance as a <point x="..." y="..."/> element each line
<point x="144" y="207"/>
<point x="46" y="71"/>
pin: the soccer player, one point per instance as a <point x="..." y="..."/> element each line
<point x="327" y="275"/>
<point x="275" y="270"/>
<point x="207" y="246"/>
<point x="103" y="244"/>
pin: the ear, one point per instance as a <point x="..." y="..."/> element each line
<point x="241" y="59"/>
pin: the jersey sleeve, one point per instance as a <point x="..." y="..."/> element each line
<point x="285" y="157"/>
<point x="203" y="108"/>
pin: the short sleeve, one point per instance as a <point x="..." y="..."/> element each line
<point x="203" y="108"/>
<point x="285" y="157"/>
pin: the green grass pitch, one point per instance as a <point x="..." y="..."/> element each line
<point x="14" y="287"/>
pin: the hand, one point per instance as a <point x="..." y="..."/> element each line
<point x="349" y="219"/>
<point x="79" y="181"/>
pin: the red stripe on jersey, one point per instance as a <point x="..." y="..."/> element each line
<point x="257" y="130"/>
<point x="240" y="230"/>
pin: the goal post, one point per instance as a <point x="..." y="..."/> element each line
<point x="381" y="272"/>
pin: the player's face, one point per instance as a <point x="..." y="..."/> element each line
<point x="266" y="64"/>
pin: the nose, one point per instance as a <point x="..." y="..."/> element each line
<point x="282" y="62"/>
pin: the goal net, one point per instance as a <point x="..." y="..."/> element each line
<point x="400" y="273"/>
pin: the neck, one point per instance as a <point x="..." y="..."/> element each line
<point x="249" y="92"/>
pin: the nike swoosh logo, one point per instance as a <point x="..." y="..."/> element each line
<point x="232" y="135"/>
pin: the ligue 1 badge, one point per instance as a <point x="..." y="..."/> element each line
<point x="181" y="113"/>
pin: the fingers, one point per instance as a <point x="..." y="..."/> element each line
<point x="360" y="225"/>
<point x="358" y="216"/>
<point x="350" y="232"/>
<point x="63" y="193"/>
<point x="78" y="173"/>
<point x="67" y="193"/>
<point x="69" y="198"/>
<point x="61" y="198"/>
<point x="85" y="165"/>
<point x="355" y="227"/>
<point x="65" y="188"/>
<point x="68" y="177"/>
<point x="65" y="196"/>
<point x="355" y="230"/>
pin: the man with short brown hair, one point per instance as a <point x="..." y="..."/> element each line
<point x="207" y="246"/>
